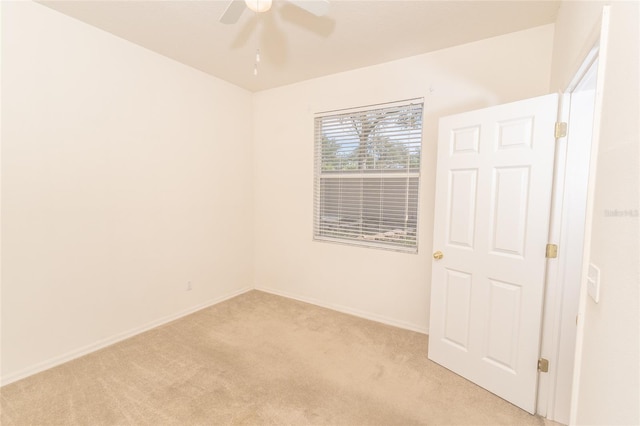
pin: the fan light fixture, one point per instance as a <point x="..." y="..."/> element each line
<point x="259" y="5"/>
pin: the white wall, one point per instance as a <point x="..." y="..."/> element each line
<point x="124" y="175"/>
<point x="608" y="390"/>
<point x="382" y="285"/>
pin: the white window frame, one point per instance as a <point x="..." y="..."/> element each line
<point x="388" y="155"/>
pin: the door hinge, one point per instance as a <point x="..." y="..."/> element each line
<point x="552" y="251"/>
<point x="543" y="365"/>
<point x="560" y="130"/>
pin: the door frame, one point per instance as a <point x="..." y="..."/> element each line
<point x="562" y="333"/>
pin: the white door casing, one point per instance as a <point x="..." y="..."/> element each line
<point x="493" y="195"/>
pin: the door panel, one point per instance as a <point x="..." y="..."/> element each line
<point x="456" y="328"/>
<point x="508" y="214"/>
<point x="493" y="192"/>
<point x="462" y="209"/>
<point x="503" y="324"/>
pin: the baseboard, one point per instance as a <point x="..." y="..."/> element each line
<point x="346" y="310"/>
<point x="53" y="362"/>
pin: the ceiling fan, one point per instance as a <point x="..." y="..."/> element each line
<point x="235" y="8"/>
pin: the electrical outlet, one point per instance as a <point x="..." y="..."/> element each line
<point x="189" y="287"/>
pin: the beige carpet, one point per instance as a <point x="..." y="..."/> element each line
<point x="258" y="359"/>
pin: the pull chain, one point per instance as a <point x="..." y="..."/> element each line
<point x="255" y="65"/>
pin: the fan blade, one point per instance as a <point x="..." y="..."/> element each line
<point x="315" y="7"/>
<point x="233" y="11"/>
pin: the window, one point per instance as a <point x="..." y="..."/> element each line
<point x="367" y="173"/>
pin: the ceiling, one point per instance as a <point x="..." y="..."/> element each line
<point x="296" y="45"/>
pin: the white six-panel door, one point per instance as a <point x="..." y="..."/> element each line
<point x="493" y="195"/>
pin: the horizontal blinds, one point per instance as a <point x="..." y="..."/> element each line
<point x="367" y="175"/>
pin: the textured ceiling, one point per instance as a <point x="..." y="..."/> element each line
<point x="297" y="46"/>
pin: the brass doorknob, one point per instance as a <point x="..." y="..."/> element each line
<point x="438" y="255"/>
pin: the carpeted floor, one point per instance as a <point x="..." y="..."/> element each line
<point x="258" y="359"/>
